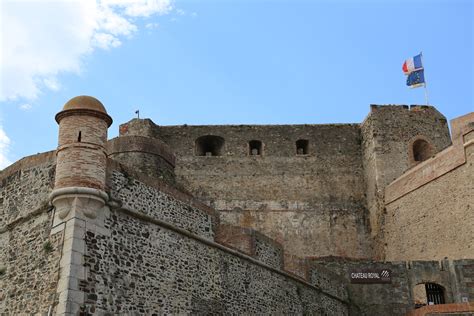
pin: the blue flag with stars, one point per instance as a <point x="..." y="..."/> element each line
<point x="416" y="79"/>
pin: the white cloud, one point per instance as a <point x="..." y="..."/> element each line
<point x="4" y="143"/>
<point x="105" y="41"/>
<point x="41" y="39"/>
<point x="51" y="83"/>
<point x="152" y="26"/>
<point x="25" y="107"/>
<point x="141" y="8"/>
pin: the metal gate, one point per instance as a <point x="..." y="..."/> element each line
<point x="434" y="293"/>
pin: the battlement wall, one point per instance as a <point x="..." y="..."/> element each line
<point x="328" y="178"/>
<point x="280" y="189"/>
<point x="333" y="155"/>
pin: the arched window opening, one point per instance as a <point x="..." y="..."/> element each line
<point x="422" y="150"/>
<point x="79" y="137"/>
<point x="302" y="147"/>
<point x="255" y="148"/>
<point x="428" y="294"/>
<point x="209" y="145"/>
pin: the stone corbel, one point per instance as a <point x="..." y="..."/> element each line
<point x="77" y="201"/>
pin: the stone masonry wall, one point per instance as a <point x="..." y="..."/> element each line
<point x="147" y="269"/>
<point x="374" y="299"/>
<point x="434" y="221"/>
<point x="25" y="186"/>
<point x="29" y="266"/>
<point x="147" y="155"/>
<point x="464" y="271"/>
<point x="294" y="199"/>
<point x="160" y="258"/>
<point x="387" y="133"/>
<point x="398" y="297"/>
<point x="29" y="256"/>
<point x="135" y="195"/>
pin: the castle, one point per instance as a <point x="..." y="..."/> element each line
<point x="373" y="218"/>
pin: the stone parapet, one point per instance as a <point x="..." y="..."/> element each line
<point x="27" y="162"/>
<point x="147" y="155"/>
<point x="141" y="144"/>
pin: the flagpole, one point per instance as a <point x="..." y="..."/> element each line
<point x="426" y="89"/>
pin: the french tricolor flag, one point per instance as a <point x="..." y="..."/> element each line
<point x="412" y="64"/>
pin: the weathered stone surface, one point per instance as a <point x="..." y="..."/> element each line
<point x="252" y="243"/>
<point x="387" y="133"/>
<point x="139" y="197"/>
<point x="29" y="259"/>
<point x="375" y="299"/>
<point x="397" y="297"/>
<point x="292" y="198"/>
<point x="147" y="155"/>
<point x="282" y="192"/>
<point x="327" y="280"/>
<point x="145" y="269"/>
<point x="434" y="221"/>
<point x="26" y="188"/>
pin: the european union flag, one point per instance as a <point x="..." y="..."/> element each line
<point x="416" y="79"/>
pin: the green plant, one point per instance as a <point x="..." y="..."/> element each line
<point x="48" y="246"/>
<point x="3" y="270"/>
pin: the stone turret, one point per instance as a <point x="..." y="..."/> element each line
<point x="79" y="191"/>
<point x="81" y="157"/>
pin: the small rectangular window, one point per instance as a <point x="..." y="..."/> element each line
<point x="302" y="147"/>
<point x="255" y="148"/>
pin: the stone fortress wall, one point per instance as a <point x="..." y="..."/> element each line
<point x="398" y="297"/>
<point x="295" y="199"/>
<point x="139" y="246"/>
<point x="332" y="192"/>
<point x="389" y="134"/>
<point x="430" y="208"/>
<point x="29" y="256"/>
<point x="158" y="233"/>
<point x="154" y="254"/>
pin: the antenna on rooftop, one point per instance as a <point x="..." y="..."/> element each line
<point x="137" y="112"/>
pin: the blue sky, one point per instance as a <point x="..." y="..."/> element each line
<point x="226" y="62"/>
